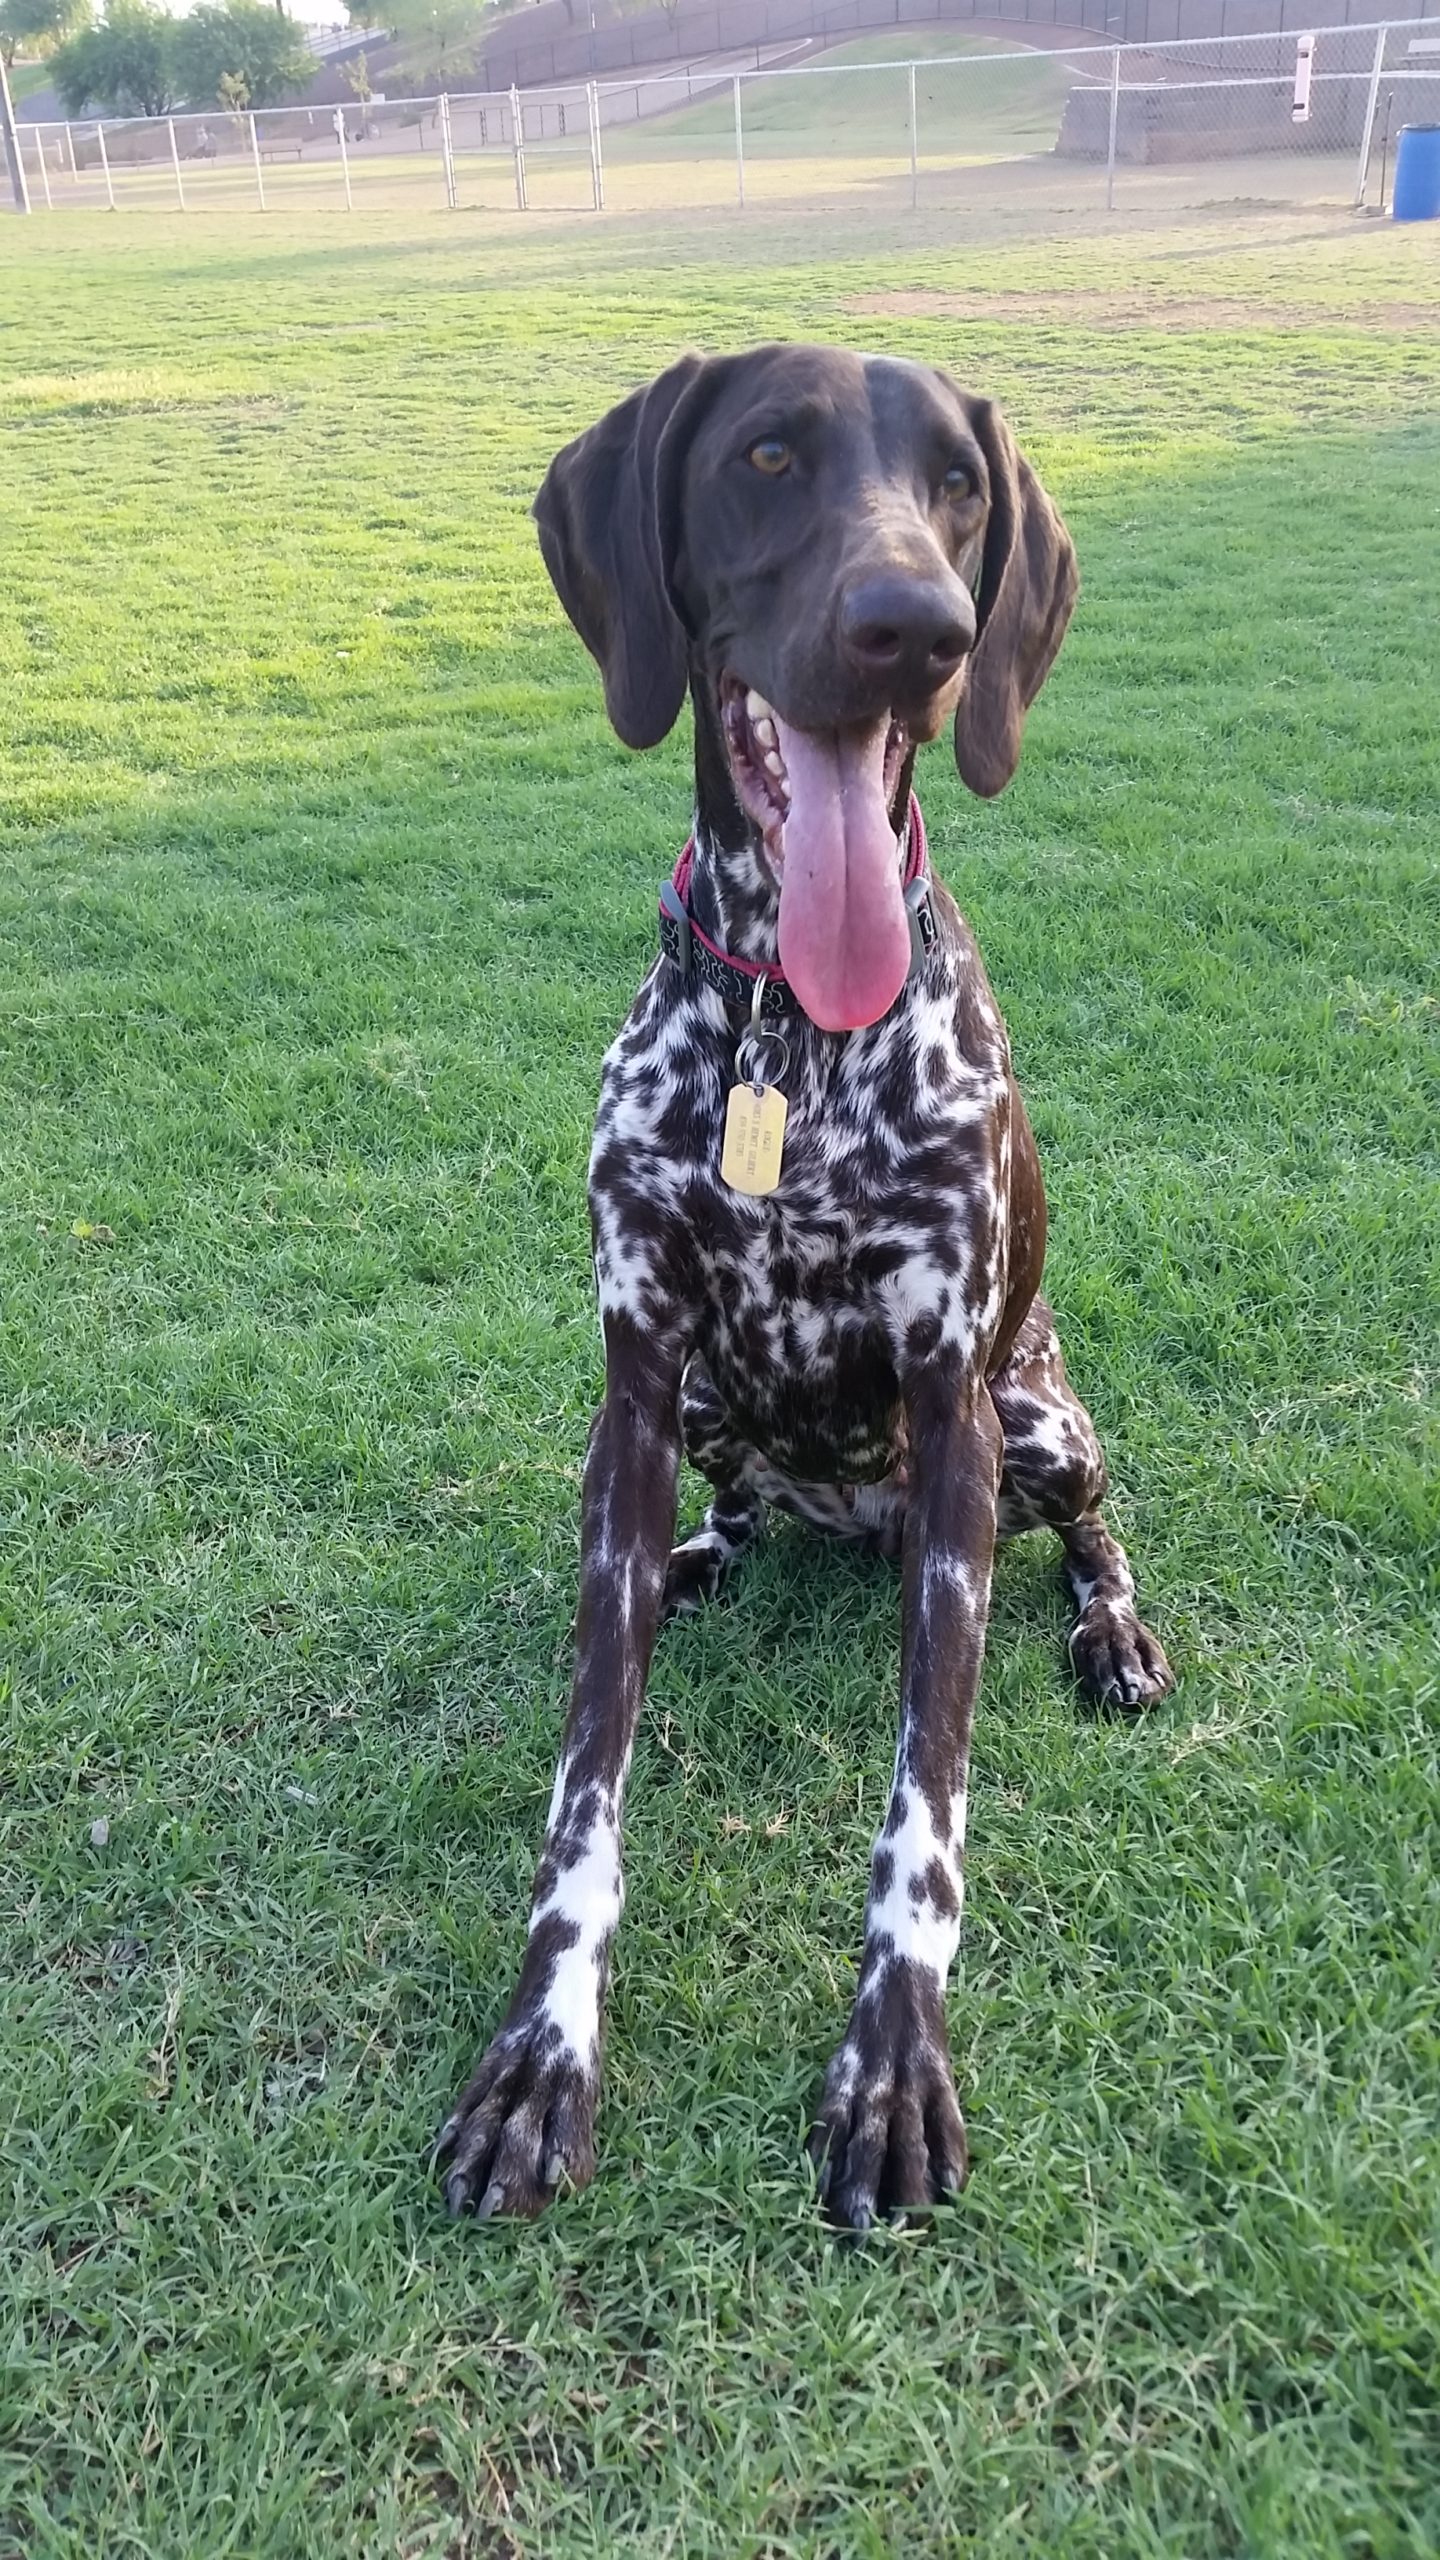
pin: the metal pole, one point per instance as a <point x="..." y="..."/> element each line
<point x="597" y="165"/>
<point x="914" y="146"/>
<point x="1114" y="127"/>
<point x="739" y="147"/>
<point x="105" y="165"/>
<point x="44" y="170"/>
<point x="517" y="136"/>
<point x="255" y="155"/>
<point x="344" y="157"/>
<point x="445" y="146"/>
<point x="1372" y="99"/>
<point x="175" y="156"/>
<point x="19" y="184"/>
<point x="70" y="147"/>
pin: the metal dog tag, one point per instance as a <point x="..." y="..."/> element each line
<point x="754" y="1138"/>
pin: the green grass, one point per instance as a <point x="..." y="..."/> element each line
<point x="322" y="884"/>
<point x="972" y="109"/>
<point x="25" y="78"/>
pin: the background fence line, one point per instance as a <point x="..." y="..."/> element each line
<point x="1036" y="125"/>
<point x="617" y="45"/>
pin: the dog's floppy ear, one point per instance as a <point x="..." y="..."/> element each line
<point x="605" y="512"/>
<point x="1028" y="586"/>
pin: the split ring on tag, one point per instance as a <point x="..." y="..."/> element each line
<point x="750" y="1064"/>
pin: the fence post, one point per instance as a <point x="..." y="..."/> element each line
<point x="105" y="165"/>
<point x="175" y="159"/>
<point x="1114" y="128"/>
<point x="344" y="157"/>
<point x="20" y="185"/>
<point x="446" y="147"/>
<point x="1372" y="100"/>
<point x="44" y="171"/>
<point x="255" y="154"/>
<point x="517" y="136"/>
<point x="70" y="147"/>
<point x="739" y="147"/>
<point x="914" y="146"/>
<point x="597" y="165"/>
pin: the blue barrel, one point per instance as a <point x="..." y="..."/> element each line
<point x="1417" y="174"/>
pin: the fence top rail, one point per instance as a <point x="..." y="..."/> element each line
<point x="1254" y="80"/>
<point x="178" y="115"/>
<point x="1066" y="56"/>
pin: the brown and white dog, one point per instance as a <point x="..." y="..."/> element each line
<point x="835" y="554"/>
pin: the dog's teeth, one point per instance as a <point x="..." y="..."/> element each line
<point x="774" y="765"/>
<point x="756" y="708"/>
<point x="766" y="733"/>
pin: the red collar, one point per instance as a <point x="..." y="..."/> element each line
<point x="678" y="928"/>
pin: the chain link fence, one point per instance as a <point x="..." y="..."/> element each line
<point x="1259" y="119"/>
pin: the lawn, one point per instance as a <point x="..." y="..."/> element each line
<point x="322" y="885"/>
<point x="973" y="107"/>
<point x="26" y="77"/>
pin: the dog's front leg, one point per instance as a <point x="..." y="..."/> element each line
<point x="889" y="2131"/>
<point x="526" y="2120"/>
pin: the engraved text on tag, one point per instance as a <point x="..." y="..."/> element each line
<point x="754" y="1138"/>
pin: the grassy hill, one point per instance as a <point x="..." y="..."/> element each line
<point x="26" y="77"/>
<point x="986" y="104"/>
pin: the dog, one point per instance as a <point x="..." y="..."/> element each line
<point x="835" y="555"/>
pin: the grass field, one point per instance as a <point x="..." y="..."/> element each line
<point x="323" y="885"/>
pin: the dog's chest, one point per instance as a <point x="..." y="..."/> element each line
<point x="885" y="1216"/>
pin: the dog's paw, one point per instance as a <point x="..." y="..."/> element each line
<point x="695" y="1574"/>
<point x="1116" y="1659"/>
<point x="524" y="2126"/>
<point x="889" y="2136"/>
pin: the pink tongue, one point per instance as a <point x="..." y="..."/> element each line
<point x="844" y="940"/>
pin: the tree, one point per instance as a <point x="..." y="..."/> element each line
<point x="36" y="24"/>
<point x="259" y="56"/>
<point x="125" y="63"/>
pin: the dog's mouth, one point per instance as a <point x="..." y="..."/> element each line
<point x="821" y="800"/>
<point x="754" y="743"/>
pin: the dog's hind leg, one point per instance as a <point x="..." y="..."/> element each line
<point x="735" y="1514"/>
<point x="1054" y="1477"/>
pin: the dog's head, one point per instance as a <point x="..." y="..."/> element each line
<point x="838" y="553"/>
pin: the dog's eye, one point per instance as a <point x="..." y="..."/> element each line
<point x="771" y="455"/>
<point x="957" y="482"/>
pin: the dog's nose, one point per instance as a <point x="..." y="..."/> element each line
<point x="913" y="632"/>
